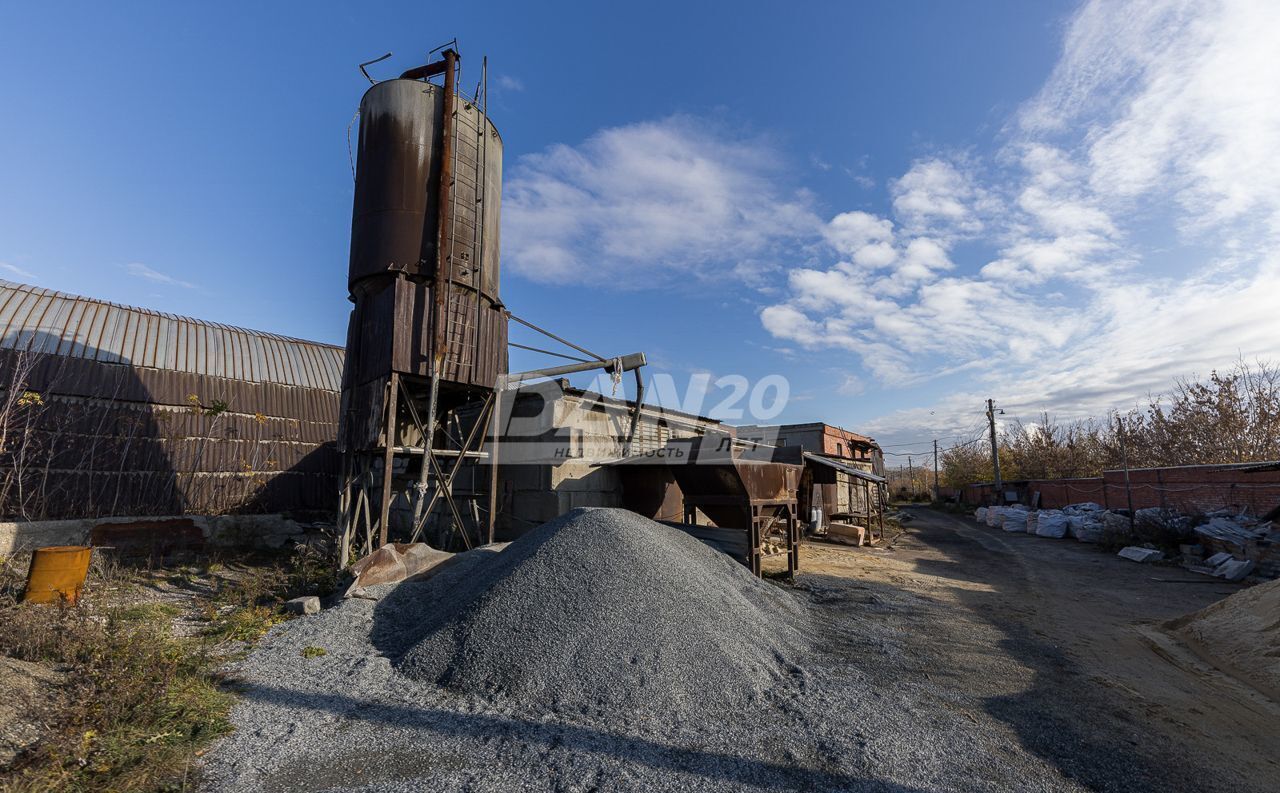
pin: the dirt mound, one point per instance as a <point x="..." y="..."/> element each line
<point x="1240" y="634"/>
<point x="600" y="609"/>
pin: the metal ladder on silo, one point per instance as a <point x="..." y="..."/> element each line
<point x="457" y="353"/>
<point x="458" y="327"/>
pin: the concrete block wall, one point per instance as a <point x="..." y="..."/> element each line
<point x="253" y="531"/>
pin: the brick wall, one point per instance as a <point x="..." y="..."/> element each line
<point x="1188" y="489"/>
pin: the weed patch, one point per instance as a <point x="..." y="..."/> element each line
<point x="245" y="624"/>
<point x="140" y="705"/>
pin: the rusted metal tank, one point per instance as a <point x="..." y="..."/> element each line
<point x="427" y="339"/>
<point x="725" y="479"/>
<point x="424" y="265"/>
<point x="398" y="164"/>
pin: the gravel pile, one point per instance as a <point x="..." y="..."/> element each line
<point x="600" y="610"/>
<point x="607" y="652"/>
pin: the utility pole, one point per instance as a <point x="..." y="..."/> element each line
<point x="911" y="479"/>
<point x="995" y="450"/>
<point x="935" y="471"/>
<point x="1124" y="461"/>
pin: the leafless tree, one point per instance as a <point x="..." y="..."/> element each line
<point x="1232" y="416"/>
<point x="20" y="408"/>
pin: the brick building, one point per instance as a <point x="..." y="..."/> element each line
<point x="819" y="438"/>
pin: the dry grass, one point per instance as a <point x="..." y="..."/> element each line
<point x="140" y="705"/>
<point x="143" y="702"/>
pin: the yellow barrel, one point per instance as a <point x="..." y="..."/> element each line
<point x="57" y="572"/>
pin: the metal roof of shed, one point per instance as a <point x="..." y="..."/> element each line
<point x="42" y="320"/>
<point x="848" y="469"/>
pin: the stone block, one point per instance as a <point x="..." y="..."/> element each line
<point x="307" y="604"/>
<point x="846" y="533"/>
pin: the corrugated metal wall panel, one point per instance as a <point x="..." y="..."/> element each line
<point x="80" y="327"/>
<point x="120" y="436"/>
<point x="17" y="321"/>
<point x="113" y="335"/>
<point x="74" y="317"/>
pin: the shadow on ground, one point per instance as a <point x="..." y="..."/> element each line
<point x="716" y="766"/>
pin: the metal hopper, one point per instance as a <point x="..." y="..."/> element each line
<point x="738" y="486"/>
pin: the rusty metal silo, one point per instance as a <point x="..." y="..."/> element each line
<point x="396" y="209"/>
<point x="427" y="340"/>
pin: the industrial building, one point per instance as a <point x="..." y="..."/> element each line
<point x="560" y="442"/>
<point x="109" y="410"/>
<point x="415" y="431"/>
<point x="112" y="411"/>
<point x="819" y="438"/>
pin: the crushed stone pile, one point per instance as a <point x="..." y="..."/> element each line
<point x="585" y="649"/>
<point x="533" y="644"/>
<point x="1240" y="634"/>
<point x="600" y="609"/>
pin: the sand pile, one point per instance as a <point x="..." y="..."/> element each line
<point x="1240" y="635"/>
<point x="598" y="610"/>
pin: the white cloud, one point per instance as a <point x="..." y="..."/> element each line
<point x="139" y="270"/>
<point x="1180" y="98"/>
<point x="861" y="180"/>
<point x="638" y="204"/>
<point x="508" y="83"/>
<point x="787" y="322"/>
<point x="1143" y="335"/>
<point x="16" y="271"/>
<point x="1160" y="122"/>
<point x="865" y="237"/>
<point x="937" y="195"/>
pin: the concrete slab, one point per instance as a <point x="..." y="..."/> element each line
<point x="1135" y="554"/>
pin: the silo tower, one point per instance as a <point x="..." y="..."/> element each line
<point x="426" y="363"/>
<point x="427" y="338"/>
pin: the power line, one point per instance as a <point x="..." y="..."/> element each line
<point x="969" y="442"/>
<point x="976" y="429"/>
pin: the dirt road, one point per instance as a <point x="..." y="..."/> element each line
<point x="1057" y="646"/>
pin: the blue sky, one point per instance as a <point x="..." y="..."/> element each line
<point x="902" y="208"/>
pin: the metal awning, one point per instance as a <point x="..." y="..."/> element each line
<point x="848" y="469"/>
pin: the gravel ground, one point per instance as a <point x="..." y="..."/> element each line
<point x="607" y="652"/>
